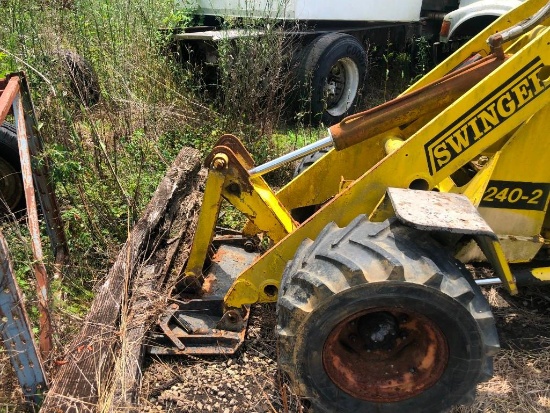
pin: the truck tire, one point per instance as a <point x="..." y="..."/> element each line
<point x="331" y="73"/>
<point x="12" y="194"/>
<point x="366" y="322"/>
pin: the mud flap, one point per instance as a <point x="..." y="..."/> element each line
<point x="455" y="214"/>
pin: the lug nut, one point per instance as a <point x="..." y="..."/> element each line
<point x="249" y="246"/>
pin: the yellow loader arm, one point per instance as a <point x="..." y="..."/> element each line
<point x="438" y="127"/>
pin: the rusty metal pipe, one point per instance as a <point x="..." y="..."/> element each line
<point x="7" y="97"/>
<point x="45" y="338"/>
<point x="434" y="97"/>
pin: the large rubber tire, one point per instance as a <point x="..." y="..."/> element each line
<point x="12" y="193"/>
<point x="331" y="73"/>
<point x="366" y="322"/>
<point x="83" y="79"/>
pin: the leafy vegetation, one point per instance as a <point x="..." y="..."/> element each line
<point x="108" y="157"/>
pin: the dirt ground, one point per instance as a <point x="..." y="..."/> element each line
<point x="249" y="381"/>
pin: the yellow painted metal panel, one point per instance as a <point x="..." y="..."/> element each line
<point x="207" y="221"/>
<point x="321" y="181"/>
<point x="516" y="199"/>
<point x="262" y="207"/>
<point x="541" y="273"/>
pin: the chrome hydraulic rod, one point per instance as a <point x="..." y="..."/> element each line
<point x="292" y="156"/>
<point x="488" y="281"/>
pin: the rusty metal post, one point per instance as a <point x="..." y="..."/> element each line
<point x="45" y="338"/>
<point x="44" y="187"/>
<point x="41" y="177"/>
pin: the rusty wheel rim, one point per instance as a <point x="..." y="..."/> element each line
<point x="385" y="354"/>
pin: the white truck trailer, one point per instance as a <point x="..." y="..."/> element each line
<point x="331" y="42"/>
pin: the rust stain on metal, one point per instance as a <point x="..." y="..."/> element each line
<point x="390" y="360"/>
<point x="209" y="284"/>
<point x="224" y="255"/>
<point x="8" y="95"/>
<point x="45" y="338"/>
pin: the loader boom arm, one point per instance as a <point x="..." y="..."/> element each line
<point x="416" y="141"/>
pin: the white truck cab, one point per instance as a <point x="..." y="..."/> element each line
<point x="468" y="20"/>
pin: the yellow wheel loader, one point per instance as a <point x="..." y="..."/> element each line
<point x="376" y="310"/>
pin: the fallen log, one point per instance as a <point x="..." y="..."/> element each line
<point x="149" y="297"/>
<point x="87" y="381"/>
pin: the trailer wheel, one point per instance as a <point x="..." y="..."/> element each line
<point x="331" y="73"/>
<point x="367" y="322"/>
<point x="12" y="194"/>
<point x="83" y="79"/>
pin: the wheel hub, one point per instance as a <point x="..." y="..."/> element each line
<point x="385" y="354"/>
<point x="378" y="330"/>
<point x="335" y="85"/>
<point x="341" y="86"/>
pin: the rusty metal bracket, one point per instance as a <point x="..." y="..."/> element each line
<point x="199" y="327"/>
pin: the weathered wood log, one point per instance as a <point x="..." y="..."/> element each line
<point x="149" y="296"/>
<point x="86" y="380"/>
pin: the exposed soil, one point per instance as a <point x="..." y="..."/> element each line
<point x="246" y="382"/>
<point x="521" y="381"/>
